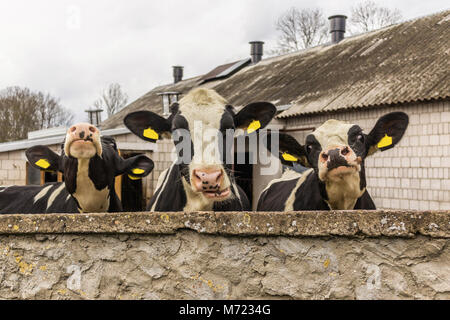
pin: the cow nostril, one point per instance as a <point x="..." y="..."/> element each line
<point x="92" y="129"/>
<point x="197" y="175"/>
<point x="345" y="151"/>
<point x="73" y="129"/>
<point x="219" y="176"/>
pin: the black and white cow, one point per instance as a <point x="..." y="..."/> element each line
<point x="202" y="181"/>
<point x="89" y="164"/>
<point x="335" y="152"/>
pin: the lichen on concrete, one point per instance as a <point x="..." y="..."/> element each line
<point x="309" y="223"/>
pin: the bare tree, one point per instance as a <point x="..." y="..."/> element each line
<point x="300" y="29"/>
<point x="367" y="16"/>
<point x="113" y="99"/>
<point x="22" y="110"/>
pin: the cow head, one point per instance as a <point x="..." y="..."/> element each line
<point x="201" y="121"/>
<point x="88" y="161"/>
<point x="336" y="150"/>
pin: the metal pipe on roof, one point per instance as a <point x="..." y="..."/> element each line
<point x="256" y="51"/>
<point x="177" y="73"/>
<point x="337" y="27"/>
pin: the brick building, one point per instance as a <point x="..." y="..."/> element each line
<point x="403" y="67"/>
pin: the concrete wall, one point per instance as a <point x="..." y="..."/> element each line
<point x="308" y="255"/>
<point x="415" y="173"/>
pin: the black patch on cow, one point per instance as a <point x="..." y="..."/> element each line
<point x="336" y="160"/>
<point x="357" y="141"/>
<point x="173" y="197"/>
<point x="20" y="199"/>
<point x="70" y="173"/>
<point x="99" y="173"/>
<point x="233" y="204"/>
<point x="313" y="149"/>
<point x="180" y="122"/>
<point x="275" y="197"/>
<point x="365" y="202"/>
<point x="261" y="111"/>
<point x="309" y="195"/>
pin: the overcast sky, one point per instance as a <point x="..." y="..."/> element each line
<point x="75" y="49"/>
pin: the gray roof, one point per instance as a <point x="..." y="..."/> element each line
<point x="401" y="63"/>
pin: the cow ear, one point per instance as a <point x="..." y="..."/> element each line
<point x="136" y="167"/>
<point x="387" y="132"/>
<point x="290" y="152"/>
<point x="148" y="125"/>
<point x="43" y="158"/>
<point x="254" y="116"/>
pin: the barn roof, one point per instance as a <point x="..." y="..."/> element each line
<point x="401" y="63"/>
<point x="150" y="101"/>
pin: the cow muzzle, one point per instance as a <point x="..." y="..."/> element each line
<point x="83" y="141"/>
<point x="337" y="162"/>
<point x="210" y="182"/>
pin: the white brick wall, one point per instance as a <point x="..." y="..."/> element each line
<point x="414" y="174"/>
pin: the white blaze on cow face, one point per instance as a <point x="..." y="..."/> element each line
<point x="203" y="110"/>
<point x="333" y="139"/>
<point x="83" y="141"/>
<point x="338" y="164"/>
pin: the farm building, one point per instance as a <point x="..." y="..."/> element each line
<point x="403" y="67"/>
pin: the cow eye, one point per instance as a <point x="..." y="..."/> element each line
<point x="309" y="148"/>
<point x="360" y="138"/>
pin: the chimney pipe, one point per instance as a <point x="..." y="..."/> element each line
<point x="177" y="73"/>
<point x="95" y="116"/>
<point x="337" y="28"/>
<point x="256" y="51"/>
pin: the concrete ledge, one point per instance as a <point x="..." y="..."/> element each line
<point x="407" y="224"/>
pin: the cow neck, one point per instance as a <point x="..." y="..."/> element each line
<point x="88" y="197"/>
<point x="343" y="192"/>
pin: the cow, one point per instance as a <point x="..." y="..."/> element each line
<point x="335" y="153"/>
<point x="89" y="163"/>
<point x="201" y="181"/>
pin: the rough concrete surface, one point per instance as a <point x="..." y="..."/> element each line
<point x="192" y="257"/>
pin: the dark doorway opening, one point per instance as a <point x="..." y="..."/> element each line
<point x="132" y="195"/>
<point x="50" y="176"/>
<point x="243" y="173"/>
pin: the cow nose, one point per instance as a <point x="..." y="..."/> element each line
<point x="207" y="180"/>
<point x="82" y="130"/>
<point x="336" y="156"/>
<point x="332" y="154"/>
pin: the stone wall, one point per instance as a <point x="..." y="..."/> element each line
<point x="415" y="174"/>
<point x="297" y="255"/>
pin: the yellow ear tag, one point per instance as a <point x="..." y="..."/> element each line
<point x="133" y="178"/>
<point x="289" y="157"/>
<point x="138" y="171"/>
<point x="151" y="134"/>
<point x="253" y="126"/>
<point x="385" y="142"/>
<point x="44" y="164"/>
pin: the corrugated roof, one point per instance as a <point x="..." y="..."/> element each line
<point x="150" y="101"/>
<point x="401" y="63"/>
